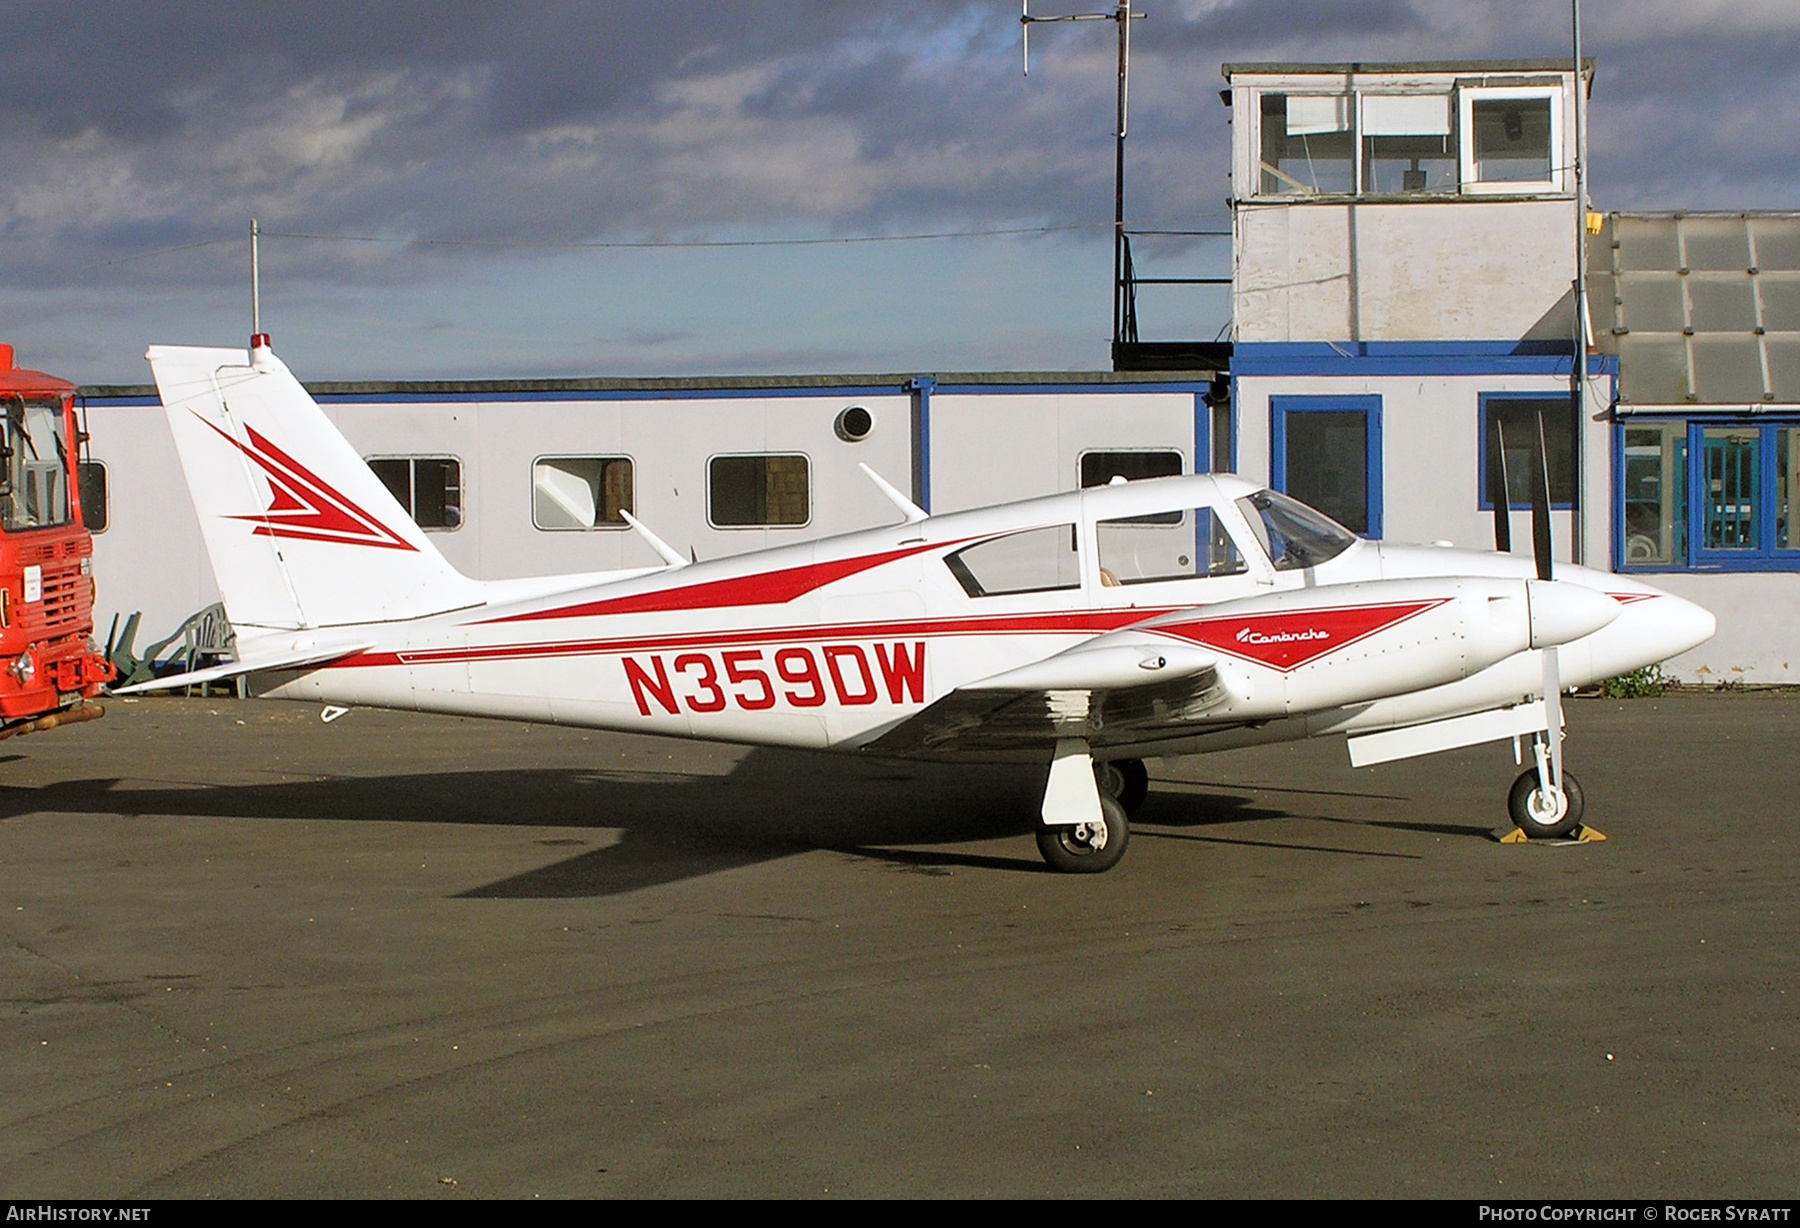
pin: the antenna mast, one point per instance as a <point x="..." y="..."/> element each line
<point x="1578" y="353"/>
<point x="257" y="336"/>
<point x="1123" y="16"/>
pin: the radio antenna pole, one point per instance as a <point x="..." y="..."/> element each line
<point x="1123" y="16"/>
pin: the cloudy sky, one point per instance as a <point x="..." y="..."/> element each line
<point x="686" y="187"/>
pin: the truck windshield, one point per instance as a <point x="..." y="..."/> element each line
<point x="1295" y="535"/>
<point x="35" y="494"/>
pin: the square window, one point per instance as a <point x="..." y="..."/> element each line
<point x="1409" y="144"/>
<point x="580" y="492"/>
<point x="758" y="491"/>
<point x="1787" y="487"/>
<point x="1133" y="553"/>
<point x="1510" y="427"/>
<point x="1326" y="455"/>
<point x="34" y="487"/>
<point x="1730" y="457"/>
<point x="1512" y="140"/>
<point x="428" y="488"/>
<point x="1740" y="479"/>
<point x="1032" y="561"/>
<point x="1307" y="145"/>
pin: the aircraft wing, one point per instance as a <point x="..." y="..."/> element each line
<point x="1129" y="690"/>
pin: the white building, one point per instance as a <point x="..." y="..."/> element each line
<point x="1405" y="249"/>
<point x="1402" y="295"/>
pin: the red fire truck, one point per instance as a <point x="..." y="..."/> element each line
<point x="50" y="666"/>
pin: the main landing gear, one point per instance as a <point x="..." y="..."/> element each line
<point x="1086" y="809"/>
<point x="1087" y="848"/>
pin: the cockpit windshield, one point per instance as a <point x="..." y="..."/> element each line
<point x="34" y="489"/>
<point x="1294" y="535"/>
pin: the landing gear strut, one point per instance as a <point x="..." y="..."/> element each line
<point x="1085" y="827"/>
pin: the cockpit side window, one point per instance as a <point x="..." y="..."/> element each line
<point x="1294" y="535"/>
<point x="1033" y="561"/>
<point x="1184" y="545"/>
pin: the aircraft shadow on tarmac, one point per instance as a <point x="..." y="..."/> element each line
<point x="673" y="827"/>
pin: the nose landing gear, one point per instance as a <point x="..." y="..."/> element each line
<point x="1544" y="813"/>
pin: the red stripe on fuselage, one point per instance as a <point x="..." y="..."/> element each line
<point x="762" y="588"/>
<point x="1088" y="622"/>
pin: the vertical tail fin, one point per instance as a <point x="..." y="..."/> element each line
<point x="300" y="531"/>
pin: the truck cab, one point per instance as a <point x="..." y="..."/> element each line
<point x="49" y="663"/>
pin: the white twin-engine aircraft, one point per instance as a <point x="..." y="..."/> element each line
<point x="1087" y="630"/>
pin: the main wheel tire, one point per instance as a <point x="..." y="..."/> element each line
<point x="1087" y="848"/>
<point x="1126" y="779"/>
<point x="1543" y="816"/>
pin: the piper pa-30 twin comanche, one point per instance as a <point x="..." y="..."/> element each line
<point x="1086" y="630"/>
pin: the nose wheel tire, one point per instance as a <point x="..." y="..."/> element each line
<point x="1541" y="814"/>
<point x="1128" y="780"/>
<point x="1087" y="848"/>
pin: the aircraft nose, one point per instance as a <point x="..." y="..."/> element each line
<point x="1561" y="612"/>
<point x="1677" y="625"/>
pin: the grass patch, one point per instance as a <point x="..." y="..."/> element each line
<point x="1645" y="683"/>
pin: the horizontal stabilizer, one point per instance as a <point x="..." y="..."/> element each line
<point x="295" y="658"/>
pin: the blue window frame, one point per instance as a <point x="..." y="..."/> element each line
<point x="1327" y="453"/>
<point x="1707" y="494"/>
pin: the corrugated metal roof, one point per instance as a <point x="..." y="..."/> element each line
<point x="1702" y="309"/>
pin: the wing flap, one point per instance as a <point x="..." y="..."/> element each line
<point x="1107" y="695"/>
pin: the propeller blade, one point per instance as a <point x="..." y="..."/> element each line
<point x="1503" y="504"/>
<point x="1540" y="504"/>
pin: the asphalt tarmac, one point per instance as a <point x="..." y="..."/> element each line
<point x="250" y="954"/>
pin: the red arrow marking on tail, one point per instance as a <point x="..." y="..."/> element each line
<point x="303" y="505"/>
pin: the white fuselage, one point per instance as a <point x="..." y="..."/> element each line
<point x="832" y="643"/>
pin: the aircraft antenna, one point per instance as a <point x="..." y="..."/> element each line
<point x="1578" y="355"/>
<point x="656" y="543"/>
<point x="258" y="338"/>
